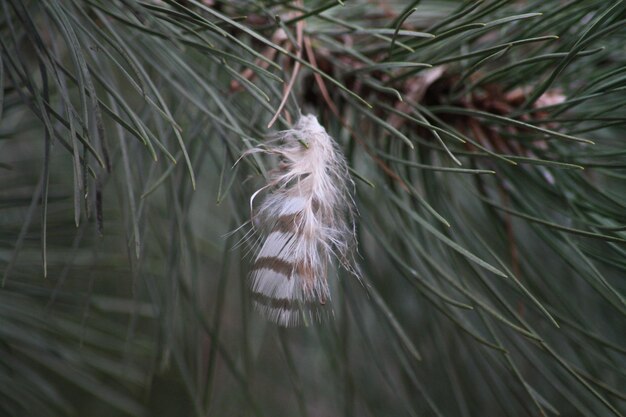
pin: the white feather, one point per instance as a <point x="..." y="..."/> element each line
<point x="305" y="220"/>
<point x="272" y="284"/>
<point x="278" y="245"/>
<point x="292" y="205"/>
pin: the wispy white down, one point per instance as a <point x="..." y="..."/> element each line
<point x="306" y="220"/>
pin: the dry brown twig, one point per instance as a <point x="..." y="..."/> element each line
<point x="296" y="69"/>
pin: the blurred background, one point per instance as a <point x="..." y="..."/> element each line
<point x="485" y="139"/>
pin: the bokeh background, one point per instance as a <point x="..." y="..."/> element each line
<point x="486" y="143"/>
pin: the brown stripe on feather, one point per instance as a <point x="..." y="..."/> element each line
<point x="305" y="270"/>
<point x="275" y="264"/>
<point x="315" y="205"/>
<point x="288" y="223"/>
<point x="281" y="303"/>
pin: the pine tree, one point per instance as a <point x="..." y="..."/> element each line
<point x="485" y="142"/>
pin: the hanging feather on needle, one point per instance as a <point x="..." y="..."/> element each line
<point x="305" y="221"/>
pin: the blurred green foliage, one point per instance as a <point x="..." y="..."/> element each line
<point x="486" y="142"/>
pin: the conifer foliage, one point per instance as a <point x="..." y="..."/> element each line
<point x="478" y="150"/>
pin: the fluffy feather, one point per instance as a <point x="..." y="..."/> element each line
<point x="305" y="220"/>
